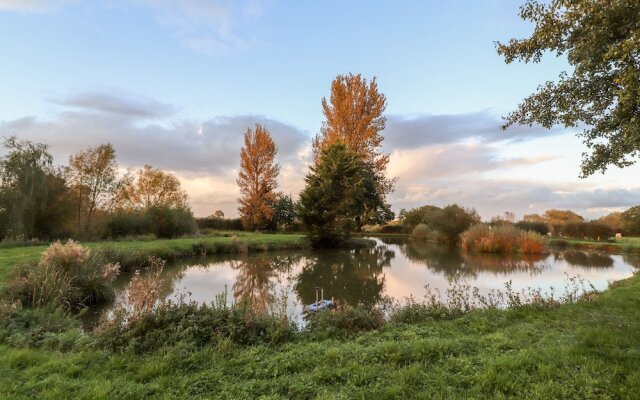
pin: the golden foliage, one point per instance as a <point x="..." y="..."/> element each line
<point x="152" y="188"/>
<point x="92" y="176"/>
<point x="354" y="117"/>
<point x="257" y="178"/>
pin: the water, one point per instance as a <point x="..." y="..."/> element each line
<point x="394" y="269"/>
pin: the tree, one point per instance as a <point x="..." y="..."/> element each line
<point x="32" y="195"/>
<point x="354" y="116"/>
<point x="601" y="42"/>
<point x="284" y="213"/>
<point x="631" y="220"/>
<point x="92" y="174"/>
<point x="561" y="217"/>
<point x="257" y="178"/>
<point x="452" y="220"/>
<point x="218" y="214"/>
<point x="612" y="220"/>
<point x="339" y="191"/>
<point x="152" y="188"/>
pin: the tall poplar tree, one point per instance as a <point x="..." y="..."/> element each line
<point x="354" y="117"/>
<point x="257" y="178"/>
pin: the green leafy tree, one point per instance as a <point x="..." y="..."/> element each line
<point x="33" y="197"/>
<point x="340" y="195"/>
<point x="601" y="41"/>
<point x="453" y="220"/>
<point x="631" y="221"/>
<point x="284" y="213"/>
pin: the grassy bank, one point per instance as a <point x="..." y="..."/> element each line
<point x="135" y="253"/>
<point x="624" y="245"/>
<point x="586" y="350"/>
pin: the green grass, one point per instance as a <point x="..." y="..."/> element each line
<point x="626" y="244"/>
<point x="167" y="248"/>
<point x="588" y="350"/>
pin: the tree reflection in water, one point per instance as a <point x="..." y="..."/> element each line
<point x="586" y="259"/>
<point x="454" y="263"/>
<point x="633" y="260"/>
<point x="255" y="283"/>
<point x="350" y="277"/>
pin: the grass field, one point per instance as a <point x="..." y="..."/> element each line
<point x="168" y="248"/>
<point x="587" y="350"/>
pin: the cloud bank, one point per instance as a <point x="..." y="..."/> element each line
<point x="439" y="159"/>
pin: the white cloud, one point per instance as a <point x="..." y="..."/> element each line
<point x="205" y="26"/>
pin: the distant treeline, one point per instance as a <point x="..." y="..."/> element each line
<point x="446" y="224"/>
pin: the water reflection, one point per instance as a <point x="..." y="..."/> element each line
<point x="255" y="283"/>
<point x="454" y="263"/>
<point x="395" y="268"/>
<point x="350" y="277"/>
<point x="585" y="259"/>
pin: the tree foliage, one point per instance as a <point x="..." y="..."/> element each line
<point x="93" y="177"/>
<point x="354" y="116"/>
<point x="340" y="195"/>
<point x="152" y="187"/>
<point x="439" y="224"/>
<point x="631" y="221"/>
<point x="257" y="178"/>
<point x="601" y="40"/>
<point x="33" y="197"/>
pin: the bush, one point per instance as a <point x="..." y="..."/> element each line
<point x="222" y="224"/>
<point x="127" y="224"/>
<point x="344" y="321"/>
<point x="66" y="276"/>
<point x="590" y="230"/>
<point x="421" y="231"/>
<point x="502" y="239"/>
<point x="170" y="223"/>
<point x="538" y="227"/>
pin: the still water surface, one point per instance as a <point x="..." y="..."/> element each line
<point x="394" y="269"/>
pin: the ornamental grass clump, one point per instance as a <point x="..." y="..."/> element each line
<point x="67" y="275"/>
<point x="502" y="239"/>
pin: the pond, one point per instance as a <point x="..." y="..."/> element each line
<point x="392" y="270"/>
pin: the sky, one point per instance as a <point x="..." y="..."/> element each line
<point x="176" y="83"/>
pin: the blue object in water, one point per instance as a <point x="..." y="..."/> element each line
<point x="321" y="305"/>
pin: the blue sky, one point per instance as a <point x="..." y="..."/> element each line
<point x="175" y="83"/>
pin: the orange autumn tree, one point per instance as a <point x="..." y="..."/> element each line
<point x="354" y="116"/>
<point x="257" y="178"/>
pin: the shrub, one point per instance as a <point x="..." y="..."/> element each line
<point x="127" y="224"/>
<point x="591" y="230"/>
<point x="169" y="222"/>
<point x="66" y="276"/>
<point x="222" y="224"/>
<point x="421" y="231"/>
<point x="538" y="227"/>
<point x="502" y="239"/>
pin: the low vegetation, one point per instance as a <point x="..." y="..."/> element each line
<point x="502" y="239"/>
<point x="67" y="276"/>
<point x="433" y="348"/>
